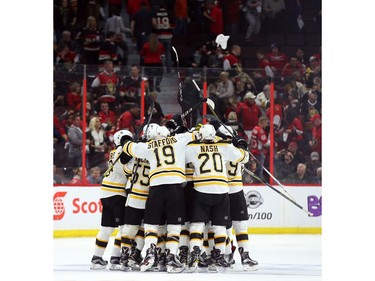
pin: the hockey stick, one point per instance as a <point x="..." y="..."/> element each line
<point x="195" y="106"/>
<point x="292" y="200"/>
<point x="178" y="75"/>
<point x="135" y="167"/>
<point x="211" y="106"/>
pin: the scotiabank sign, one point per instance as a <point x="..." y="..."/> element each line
<point x="76" y="207"/>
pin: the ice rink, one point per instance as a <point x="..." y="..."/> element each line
<point x="280" y="257"/>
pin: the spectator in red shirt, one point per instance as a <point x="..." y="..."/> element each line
<point x="108" y="119"/>
<point x="232" y="60"/>
<point x="77" y="178"/>
<point x="277" y="59"/>
<point x="215" y="16"/>
<point x="293" y="126"/>
<point x="292" y="66"/>
<point x="248" y="113"/>
<point x="133" y="6"/>
<point x="181" y="14"/>
<point x="66" y="58"/>
<point x="74" y="98"/>
<point x="151" y="53"/>
<point x="130" y="87"/>
<point x="107" y="116"/>
<point x="258" y="143"/>
<point x="316" y="139"/>
<point x="128" y="120"/>
<point x="263" y="64"/>
<point x="106" y="82"/>
<point x="59" y="139"/>
<point x="231" y="15"/>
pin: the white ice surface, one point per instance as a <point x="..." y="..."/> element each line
<point x="280" y="257"/>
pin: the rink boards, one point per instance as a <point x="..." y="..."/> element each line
<point x="77" y="210"/>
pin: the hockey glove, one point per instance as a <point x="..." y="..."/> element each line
<point x="125" y="139"/>
<point x="180" y="129"/>
<point x="240" y="143"/>
<point x="125" y="158"/>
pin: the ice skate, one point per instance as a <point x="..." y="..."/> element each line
<point x="124" y="259"/>
<point x="183" y="255"/>
<point x="149" y="259"/>
<point x="203" y="263"/>
<point x="115" y="263"/>
<point x="229" y="258"/>
<point x="247" y="263"/>
<point x="194" y="259"/>
<point x="173" y="264"/>
<point x="219" y="260"/>
<point x="135" y="259"/>
<point x="160" y="261"/>
<point x="98" y="263"/>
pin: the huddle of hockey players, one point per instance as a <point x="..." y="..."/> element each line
<point x="175" y="195"/>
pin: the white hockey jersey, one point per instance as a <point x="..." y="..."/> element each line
<point x="234" y="173"/>
<point x="114" y="181"/>
<point x="141" y="185"/>
<point x="166" y="157"/>
<point x="209" y="160"/>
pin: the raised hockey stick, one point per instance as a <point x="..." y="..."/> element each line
<point x="178" y="75"/>
<point x="292" y="200"/>
<point x="135" y="167"/>
<point x="211" y="106"/>
<point x="187" y="112"/>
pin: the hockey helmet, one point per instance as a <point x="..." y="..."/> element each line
<point x="120" y="134"/>
<point x="207" y="132"/>
<point x="162" y="132"/>
<point x="149" y="131"/>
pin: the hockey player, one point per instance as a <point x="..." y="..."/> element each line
<point x="166" y="155"/>
<point x="112" y="197"/>
<point x="238" y="208"/>
<point x="138" y="185"/>
<point x="210" y="199"/>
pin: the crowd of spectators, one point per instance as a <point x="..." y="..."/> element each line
<point x="93" y="33"/>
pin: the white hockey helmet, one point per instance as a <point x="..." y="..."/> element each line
<point x="162" y="132"/>
<point x="207" y="132"/>
<point x="226" y="131"/>
<point x="118" y="136"/>
<point x="151" y="131"/>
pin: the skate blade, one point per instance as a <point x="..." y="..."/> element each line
<point x="250" y="268"/>
<point x="145" y="267"/>
<point x="172" y="269"/>
<point x="191" y="269"/>
<point x="98" y="267"/>
<point x="115" y="267"/>
<point x="202" y="270"/>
